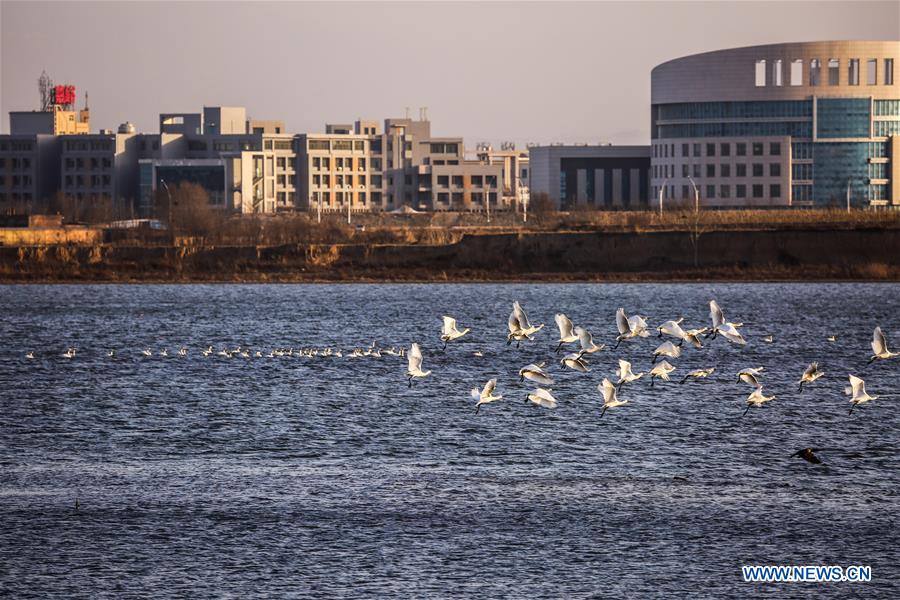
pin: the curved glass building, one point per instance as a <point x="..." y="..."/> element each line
<point x="801" y="124"/>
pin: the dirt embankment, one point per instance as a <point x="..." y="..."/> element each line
<point x="777" y="254"/>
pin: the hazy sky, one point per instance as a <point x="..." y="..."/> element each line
<point x="539" y="71"/>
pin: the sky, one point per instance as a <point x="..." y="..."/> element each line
<point x="538" y="72"/>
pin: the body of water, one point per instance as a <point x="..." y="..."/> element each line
<point x="322" y="476"/>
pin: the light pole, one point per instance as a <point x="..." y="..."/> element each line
<point x="848" y="195"/>
<point x="169" y="194"/>
<point x="696" y="194"/>
<point x="661" y="190"/>
<point x="487" y="203"/>
<point x="349" y="204"/>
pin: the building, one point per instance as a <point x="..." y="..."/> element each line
<point x="364" y="167"/>
<point x="29" y="171"/>
<point x="594" y="176"/>
<point x="515" y="173"/>
<point x="798" y="124"/>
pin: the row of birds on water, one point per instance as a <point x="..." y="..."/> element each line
<point x="372" y="351"/>
<point x="635" y="327"/>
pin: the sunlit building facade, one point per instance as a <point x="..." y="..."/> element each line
<point x="800" y="124"/>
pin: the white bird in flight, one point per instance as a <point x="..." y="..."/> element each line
<point x="698" y="374"/>
<point x="415" y="364"/>
<point x="520" y="328"/>
<point x="749" y="376"/>
<point x="811" y="373"/>
<point x="450" y="332"/>
<point x="667" y="349"/>
<point x="536" y="373"/>
<point x="575" y="361"/>
<point x="625" y="374"/>
<point x="566" y="330"/>
<point x="879" y="347"/>
<point x="486" y="396"/>
<point x="857" y="392"/>
<point x="587" y="341"/>
<point x="610" y="396"/>
<point x="693" y="336"/>
<point x="629" y="327"/>
<point x="662" y="371"/>
<point x="719" y="325"/>
<point x="757" y="398"/>
<point x="673" y="329"/>
<point x="541" y="397"/>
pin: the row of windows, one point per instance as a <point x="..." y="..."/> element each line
<point x="459" y="197"/>
<point x="16" y="146"/>
<point x="19" y="181"/>
<point x="340" y="197"/>
<point x="724" y="149"/>
<point x="689" y="130"/>
<point x="337" y="145"/>
<point x="776" y="77"/>
<point x="885" y="128"/>
<point x="340" y="163"/>
<point x="887" y="108"/>
<point x="723" y="170"/>
<point x="735" y="110"/>
<point x="15" y="197"/>
<point x="84" y="146"/>
<point x="341" y="180"/>
<point x="94" y="162"/>
<point x="84" y="180"/>
<point x="459" y="180"/>
<point x="756" y="190"/>
<point x="804" y="150"/>
<point x="14" y="164"/>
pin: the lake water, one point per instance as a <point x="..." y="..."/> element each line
<point x="324" y="476"/>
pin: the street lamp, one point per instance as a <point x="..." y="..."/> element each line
<point x="661" y="190"/>
<point x="696" y="194"/>
<point x="169" y="194"/>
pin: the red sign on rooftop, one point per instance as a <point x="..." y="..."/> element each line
<point x="64" y="94"/>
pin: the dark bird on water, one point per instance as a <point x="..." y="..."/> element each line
<point x="77" y="505"/>
<point x="807" y="455"/>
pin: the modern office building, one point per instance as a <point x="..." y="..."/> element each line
<point x="797" y="124"/>
<point x="595" y="176"/>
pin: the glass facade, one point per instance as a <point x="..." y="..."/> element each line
<point x="843" y="117"/>
<point x="735" y="110"/>
<point x="775" y="128"/>
<point x="836" y="165"/>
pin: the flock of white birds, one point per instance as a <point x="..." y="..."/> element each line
<point x="521" y="330"/>
<point x="635" y="327"/>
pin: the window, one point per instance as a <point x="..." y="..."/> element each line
<point x="443" y="180"/>
<point x="696" y="170"/>
<point x="457" y="180"/>
<point x="741" y="149"/>
<point x="710" y="149"/>
<point x="889" y="71"/>
<point x="725" y="191"/>
<point x="815" y="71"/>
<point x="710" y="191"/>
<point x="853" y="71"/>
<point x="725" y="149"/>
<point x="775" y="190"/>
<point x="757" y="149"/>
<point x="696" y="149"/>
<point x="775" y="148"/>
<point x="741" y="190"/>
<point x="757" y="190"/>
<point x="757" y="170"/>
<point x="665" y="151"/>
<point x="776" y="73"/>
<point x="761" y="73"/>
<point x="710" y="170"/>
<point x="797" y="72"/>
<point x="834" y="71"/>
<point x="725" y="170"/>
<point x="774" y="169"/>
<point x="684" y="170"/>
<point x="872" y="71"/>
<point x="684" y="191"/>
<point x="684" y="149"/>
<point x="476" y="180"/>
<point x="318" y="144"/>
